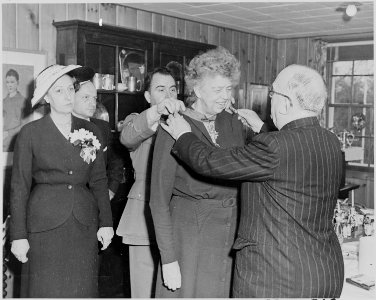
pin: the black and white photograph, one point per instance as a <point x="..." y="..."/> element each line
<point x="188" y="149"/>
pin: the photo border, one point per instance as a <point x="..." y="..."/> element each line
<point x="38" y="60"/>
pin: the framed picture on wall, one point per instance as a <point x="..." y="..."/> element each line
<point x="257" y="95"/>
<point x="19" y="70"/>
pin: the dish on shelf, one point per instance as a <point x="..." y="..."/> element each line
<point x="121" y="87"/>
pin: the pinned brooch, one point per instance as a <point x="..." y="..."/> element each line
<point x="87" y="141"/>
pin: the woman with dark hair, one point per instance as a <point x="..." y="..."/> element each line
<point x="59" y="196"/>
<point x="195" y="219"/>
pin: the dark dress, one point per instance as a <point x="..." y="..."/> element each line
<point x="195" y="219"/>
<point x="52" y="207"/>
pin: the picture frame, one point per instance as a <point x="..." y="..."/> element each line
<point x="27" y="66"/>
<point x="257" y="95"/>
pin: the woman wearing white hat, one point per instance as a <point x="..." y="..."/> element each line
<point x="59" y="196"/>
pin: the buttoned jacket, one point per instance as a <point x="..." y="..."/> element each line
<point x="114" y="163"/>
<point x="50" y="181"/>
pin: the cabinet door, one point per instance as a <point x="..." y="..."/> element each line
<point x="102" y="58"/>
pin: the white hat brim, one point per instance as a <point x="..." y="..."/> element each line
<point x="42" y="87"/>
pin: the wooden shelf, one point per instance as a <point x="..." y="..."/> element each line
<point x="118" y="92"/>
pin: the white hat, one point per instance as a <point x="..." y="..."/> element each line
<point x="47" y="78"/>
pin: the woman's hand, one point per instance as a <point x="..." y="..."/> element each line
<point x="171" y="275"/>
<point x="20" y="248"/>
<point x="105" y="235"/>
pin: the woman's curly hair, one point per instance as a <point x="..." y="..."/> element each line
<point x="218" y="61"/>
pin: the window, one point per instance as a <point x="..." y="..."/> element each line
<point x="351" y="90"/>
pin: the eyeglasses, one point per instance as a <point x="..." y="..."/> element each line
<point x="272" y="92"/>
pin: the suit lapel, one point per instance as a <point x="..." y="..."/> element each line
<point x="199" y="127"/>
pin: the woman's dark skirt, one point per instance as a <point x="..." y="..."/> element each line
<point x="63" y="263"/>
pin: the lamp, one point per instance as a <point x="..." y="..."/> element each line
<point x="349" y="10"/>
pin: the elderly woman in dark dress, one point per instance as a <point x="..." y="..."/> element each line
<point x="59" y="196"/>
<point x="195" y="219"/>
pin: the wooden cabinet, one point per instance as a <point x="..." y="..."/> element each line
<point x="121" y="53"/>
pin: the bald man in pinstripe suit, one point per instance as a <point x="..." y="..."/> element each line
<point x="286" y="245"/>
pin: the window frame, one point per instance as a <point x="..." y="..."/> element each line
<point x="331" y="105"/>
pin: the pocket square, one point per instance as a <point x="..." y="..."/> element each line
<point x="105" y="149"/>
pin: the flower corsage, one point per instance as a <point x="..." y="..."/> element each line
<point x="87" y="141"/>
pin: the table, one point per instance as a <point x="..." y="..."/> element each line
<point x="350" y="291"/>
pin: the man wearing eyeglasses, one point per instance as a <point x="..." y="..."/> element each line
<point x="85" y="102"/>
<point x="286" y="245"/>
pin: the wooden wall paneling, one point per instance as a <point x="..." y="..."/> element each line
<point x="251" y="77"/>
<point x="192" y="31"/>
<point x="28" y="26"/>
<point x="274" y="60"/>
<point x="107" y="11"/>
<point x="157" y="23"/>
<point x="180" y="28"/>
<point x="213" y="35"/>
<point x="204" y="33"/>
<point x="281" y="55"/>
<point x="291" y="51"/>
<point x="268" y="60"/>
<point x="144" y="21"/>
<point x="92" y="12"/>
<point x="127" y="17"/>
<point x="50" y="13"/>
<point x="260" y="59"/>
<point x="311" y="51"/>
<point x="169" y="26"/>
<point x="234" y="47"/>
<point x="243" y="58"/>
<point x="225" y="38"/>
<point x="303" y="51"/>
<point x="76" y="11"/>
<point x="9" y="25"/>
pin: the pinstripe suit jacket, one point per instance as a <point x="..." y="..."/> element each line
<point x="286" y="242"/>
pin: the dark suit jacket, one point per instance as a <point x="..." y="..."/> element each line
<point x="288" y="247"/>
<point x="114" y="163"/>
<point x="44" y="157"/>
<point x="171" y="178"/>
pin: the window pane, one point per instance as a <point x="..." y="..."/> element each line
<point x="363" y="89"/>
<point x="363" y="67"/>
<point x="369" y="122"/>
<point x="370" y="94"/>
<point x="368" y="151"/>
<point x="342" y="89"/>
<point x="342" y="67"/>
<point x="341" y="118"/>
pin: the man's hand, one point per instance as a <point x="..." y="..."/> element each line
<point x="171" y="275"/>
<point x="170" y="106"/>
<point x="176" y="125"/>
<point x="230" y="102"/>
<point x="250" y="119"/>
<point x="20" y="248"/>
<point x="105" y="235"/>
